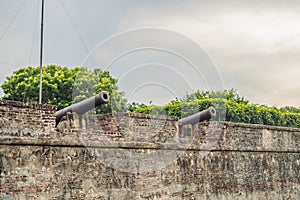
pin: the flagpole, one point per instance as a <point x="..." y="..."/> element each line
<point x="41" y="53"/>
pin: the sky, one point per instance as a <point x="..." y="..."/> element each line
<point x="160" y="50"/>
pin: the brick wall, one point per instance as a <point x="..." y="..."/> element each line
<point x="21" y="119"/>
<point x="134" y="156"/>
<point x="133" y="126"/>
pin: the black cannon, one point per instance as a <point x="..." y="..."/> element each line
<point x="83" y="106"/>
<point x="197" y="117"/>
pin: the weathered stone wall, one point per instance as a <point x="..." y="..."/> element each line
<point x="105" y="160"/>
<point x="21" y="119"/>
<point x="133" y="126"/>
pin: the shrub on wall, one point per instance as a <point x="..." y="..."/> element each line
<point x="230" y="110"/>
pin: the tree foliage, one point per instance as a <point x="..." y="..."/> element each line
<point x="230" y="107"/>
<point x="90" y="83"/>
<point x="134" y="105"/>
<point x="62" y="86"/>
<point x="231" y="95"/>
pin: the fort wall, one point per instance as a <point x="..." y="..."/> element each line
<point x="135" y="156"/>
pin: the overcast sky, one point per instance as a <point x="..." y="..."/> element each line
<point x="252" y="46"/>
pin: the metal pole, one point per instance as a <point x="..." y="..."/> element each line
<point x="41" y="53"/>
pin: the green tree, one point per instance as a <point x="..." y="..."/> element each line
<point x="89" y="83"/>
<point x="62" y="85"/>
<point x="58" y="81"/>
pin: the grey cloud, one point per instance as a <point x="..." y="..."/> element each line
<point x="230" y="30"/>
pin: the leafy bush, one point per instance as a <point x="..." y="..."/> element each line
<point x="230" y="107"/>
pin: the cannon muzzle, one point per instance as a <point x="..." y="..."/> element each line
<point x="198" y="117"/>
<point x="83" y="106"/>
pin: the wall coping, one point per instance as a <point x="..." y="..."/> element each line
<point x="27" y="105"/>
<point x="136" y="115"/>
<point x="260" y="126"/>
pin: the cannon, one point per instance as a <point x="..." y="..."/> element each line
<point x="197" y="117"/>
<point x="83" y="106"/>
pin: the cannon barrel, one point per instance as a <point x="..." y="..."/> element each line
<point x="83" y="106"/>
<point x="197" y="117"/>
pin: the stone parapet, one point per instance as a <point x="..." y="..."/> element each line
<point x="137" y="156"/>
